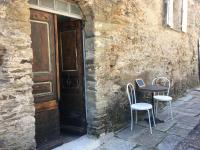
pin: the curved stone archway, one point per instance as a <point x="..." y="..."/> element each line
<point x="93" y="115"/>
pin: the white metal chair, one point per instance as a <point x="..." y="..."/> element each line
<point x="162" y="96"/>
<point x="138" y="106"/>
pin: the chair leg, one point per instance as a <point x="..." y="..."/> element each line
<point x="156" y="112"/>
<point x="168" y="109"/>
<point x="131" y="119"/>
<point x="136" y="119"/>
<point x="149" y="121"/>
<point x="170" y="105"/>
<point x="153" y="118"/>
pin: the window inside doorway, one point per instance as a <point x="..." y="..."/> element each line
<point x="58" y="7"/>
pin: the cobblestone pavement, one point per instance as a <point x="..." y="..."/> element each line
<point x="166" y="136"/>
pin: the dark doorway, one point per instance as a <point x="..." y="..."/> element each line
<point x="72" y="102"/>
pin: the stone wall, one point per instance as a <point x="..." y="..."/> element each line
<point x="17" y="123"/>
<point x="131" y="41"/>
<point x="124" y="40"/>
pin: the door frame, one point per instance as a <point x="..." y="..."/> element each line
<point x="84" y="73"/>
<point x="82" y="18"/>
<point x="198" y="49"/>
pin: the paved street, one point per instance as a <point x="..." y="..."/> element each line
<point x="192" y="141"/>
<point x="165" y="135"/>
<point x="173" y="134"/>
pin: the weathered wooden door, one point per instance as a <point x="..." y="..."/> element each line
<point x="72" y="106"/>
<point x="44" y="76"/>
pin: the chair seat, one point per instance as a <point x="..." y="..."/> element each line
<point x="141" y="106"/>
<point x="162" y="98"/>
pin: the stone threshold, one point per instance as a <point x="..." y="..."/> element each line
<point x="84" y="142"/>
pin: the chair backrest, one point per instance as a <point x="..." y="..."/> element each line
<point x="130" y="90"/>
<point x="162" y="81"/>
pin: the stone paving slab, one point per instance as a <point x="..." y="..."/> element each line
<point x="187" y="120"/>
<point x="127" y="133"/>
<point x="165" y="126"/>
<point x="142" y="148"/>
<point x="188" y="111"/>
<point x="177" y="103"/>
<point x="169" y="142"/>
<point x="191" y="141"/>
<point x="186" y="146"/>
<point x="117" y="144"/>
<point x="194" y="106"/>
<point x="178" y="131"/>
<point x="184" y="126"/>
<point x="164" y="115"/>
<point x="161" y="126"/>
<point x="144" y="124"/>
<point x="195" y="93"/>
<point x="83" y="143"/>
<point x="188" y="97"/>
<point x="149" y="140"/>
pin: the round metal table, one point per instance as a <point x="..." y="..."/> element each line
<point x="151" y="89"/>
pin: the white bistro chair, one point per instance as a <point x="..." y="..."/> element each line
<point x="138" y="106"/>
<point x="162" y="96"/>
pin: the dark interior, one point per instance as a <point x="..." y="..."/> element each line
<point x="71" y="101"/>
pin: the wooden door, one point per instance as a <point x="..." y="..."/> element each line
<point x="44" y="76"/>
<point x="72" y="106"/>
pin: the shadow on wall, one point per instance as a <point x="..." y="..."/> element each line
<point x="2" y="76"/>
<point x="180" y="86"/>
<point x="118" y="111"/>
<point x="118" y="108"/>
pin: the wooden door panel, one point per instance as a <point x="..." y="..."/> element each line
<point x="42" y="88"/>
<point x="44" y="76"/>
<point x="72" y="106"/>
<point x="47" y="128"/>
<point x="68" y="50"/>
<point x="44" y="71"/>
<point x="70" y="82"/>
<point x="41" y="46"/>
